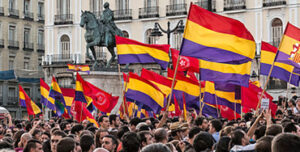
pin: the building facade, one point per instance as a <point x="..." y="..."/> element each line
<point x="65" y="43"/>
<point x="21" y="50"/>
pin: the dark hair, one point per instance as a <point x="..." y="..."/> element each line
<point x="279" y="112"/>
<point x="59" y="133"/>
<point x="31" y="144"/>
<point x="6" y="145"/>
<point x="217" y="124"/>
<point x="203" y="141"/>
<point x="274" y="130"/>
<point x="194" y="131"/>
<point x="290" y="127"/>
<point x="86" y="141"/>
<point x="36" y="131"/>
<point x="97" y="137"/>
<point x="160" y="135"/>
<point x="248" y="116"/>
<point x="114" y="140"/>
<point x="17" y="137"/>
<point x="66" y="144"/>
<point x="47" y="146"/>
<point x="236" y="137"/>
<point x="76" y="129"/>
<point x="223" y="144"/>
<point x="199" y="120"/>
<point x="47" y="134"/>
<point x="63" y="125"/>
<point x="122" y="131"/>
<point x="92" y="129"/>
<point x="157" y="147"/>
<point x="131" y="142"/>
<point x="142" y="136"/>
<point x="135" y="121"/>
<point x="286" y="142"/>
<point x="260" y="132"/>
<point x="264" y="144"/>
<point x="112" y="117"/>
<point x="102" y="117"/>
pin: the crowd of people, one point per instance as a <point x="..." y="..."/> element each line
<point x="260" y="133"/>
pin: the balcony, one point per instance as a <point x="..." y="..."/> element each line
<point x="125" y="14"/>
<point x="28" y="16"/>
<point x="1" y="43"/>
<point x="1" y="11"/>
<point x="28" y="46"/>
<point x="204" y="4"/>
<point x="230" y="5"/>
<point x="41" y="18"/>
<point x="14" y="13"/>
<point x="13" y="44"/>
<point x="63" y="19"/>
<point x="12" y="101"/>
<point x="148" y="12"/>
<point x="269" y="3"/>
<point x="61" y="59"/>
<point x="41" y="48"/>
<point x="176" y="9"/>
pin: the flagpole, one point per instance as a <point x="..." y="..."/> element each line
<point x="123" y="92"/>
<point x="217" y="105"/>
<point x="287" y="86"/>
<point x="265" y="87"/>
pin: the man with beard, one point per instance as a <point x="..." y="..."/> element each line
<point x="114" y="121"/>
<point x="202" y="123"/>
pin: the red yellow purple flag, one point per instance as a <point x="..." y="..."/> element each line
<point x="25" y="101"/>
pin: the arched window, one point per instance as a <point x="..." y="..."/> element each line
<point x="148" y="38"/>
<point x="65" y="47"/>
<point x="126" y="34"/>
<point x="276" y="32"/>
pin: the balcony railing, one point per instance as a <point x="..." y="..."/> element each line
<point x="1" y="43"/>
<point x="125" y="14"/>
<point x="28" y="46"/>
<point x="13" y="44"/>
<point x="63" y="19"/>
<point x="176" y="9"/>
<point x="61" y="59"/>
<point x="234" y="5"/>
<point x="268" y="3"/>
<point x="28" y="15"/>
<point x="13" y="12"/>
<point x="41" y="47"/>
<point x="148" y="12"/>
<point x="97" y="14"/>
<point x="41" y="17"/>
<point x="204" y="4"/>
<point x="1" y="11"/>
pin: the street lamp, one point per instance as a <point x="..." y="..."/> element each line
<point x="157" y="30"/>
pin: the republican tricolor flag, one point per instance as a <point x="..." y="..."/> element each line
<point x="25" y="101"/>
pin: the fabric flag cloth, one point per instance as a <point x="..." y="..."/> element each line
<point x="131" y="51"/>
<point x="250" y="99"/>
<point x="189" y="87"/>
<point x="44" y="89"/>
<point x="56" y="98"/>
<point x="76" y="68"/>
<point x="163" y="83"/>
<point x="185" y="63"/>
<point x="225" y="97"/>
<point x="281" y="71"/>
<point x="176" y="107"/>
<point x="184" y="107"/>
<point x="144" y="92"/>
<point x="25" y="101"/>
<point x="209" y="110"/>
<point x="102" y="100"/>
<point x="224" y="46"/>
<point x="79" y="109"/>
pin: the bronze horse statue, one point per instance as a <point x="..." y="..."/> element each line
<point x="98" y="34"/>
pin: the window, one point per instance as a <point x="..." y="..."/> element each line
<point x="1" y="94"/>
<point x="26" y="62"/>
<point x="11" y="92"/>
<point x="65" y="46"/>
<point x="41" y="37"/>
<point x="174" y="2"/>
<point x="11" y="63"/>
<point x="96" y="6"/>
<point x="40" y="8"/>
<point x="40" y="60"/>
<point x="63" y="6"/>
<point x="177" y="39"/>
<point x="12" y="33"/>
<point x="122" y="4"/>
<point x="11" y="4"/>
<point x="26" y="35"/>
<point x="150" y="3"/>
<point x="276" y="32"/>
<point x="125" y="33"/>
<point x="26" y="6"/>
<point x="148" y="38"/>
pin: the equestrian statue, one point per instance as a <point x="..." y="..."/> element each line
<point x="100" y="33"/>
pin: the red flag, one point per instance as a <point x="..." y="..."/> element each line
<point x="81" y="113"/>
<point x="250" y="98"/>
<point x="184" y="107"/>
<point x="185" y="63"/>
<point x="177" y="108"/>
<point x="228" y="113"/>
<point x="192" y="75"/>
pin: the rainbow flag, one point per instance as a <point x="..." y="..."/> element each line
<point x="131" y="51"/>
<point x="281" y="71"/>
<point x="25" y="101"/>
<point x="144" y="92"/>
<point x="56" y="97"/>
<point x="76" y="68"/>
<point x="224" y="46"/>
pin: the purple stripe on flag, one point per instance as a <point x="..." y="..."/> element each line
<point x="22" y="103"/>
<point x="230" y="78"/>
<point x="140" y="58"/>
<point x="192" y="49"/>
<point x="57" y="96"/>
<point x="211" y="99"/>
<point x="79" y="96"/>
<point x="279" y="73"/>
<point x="284" y="58"/>
<point x="192" y="102"/>
<point x="144" y="99"/>
<point x="209" y="111"/>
